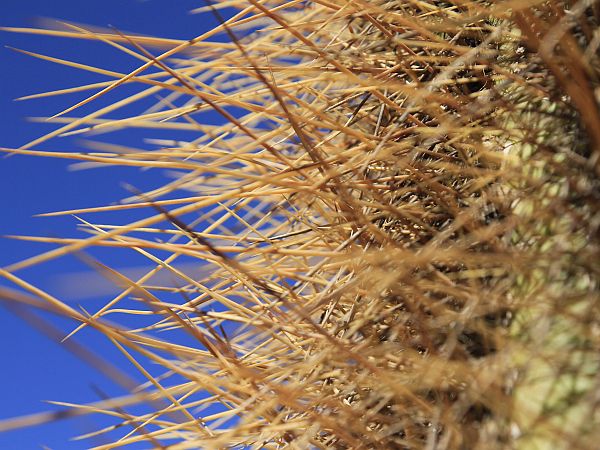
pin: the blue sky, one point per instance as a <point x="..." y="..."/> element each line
<point x="34" y="368"/>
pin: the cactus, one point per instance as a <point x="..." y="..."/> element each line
<point x="397" y="224"/>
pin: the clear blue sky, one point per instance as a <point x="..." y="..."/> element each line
<point x="34" y="368"/>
